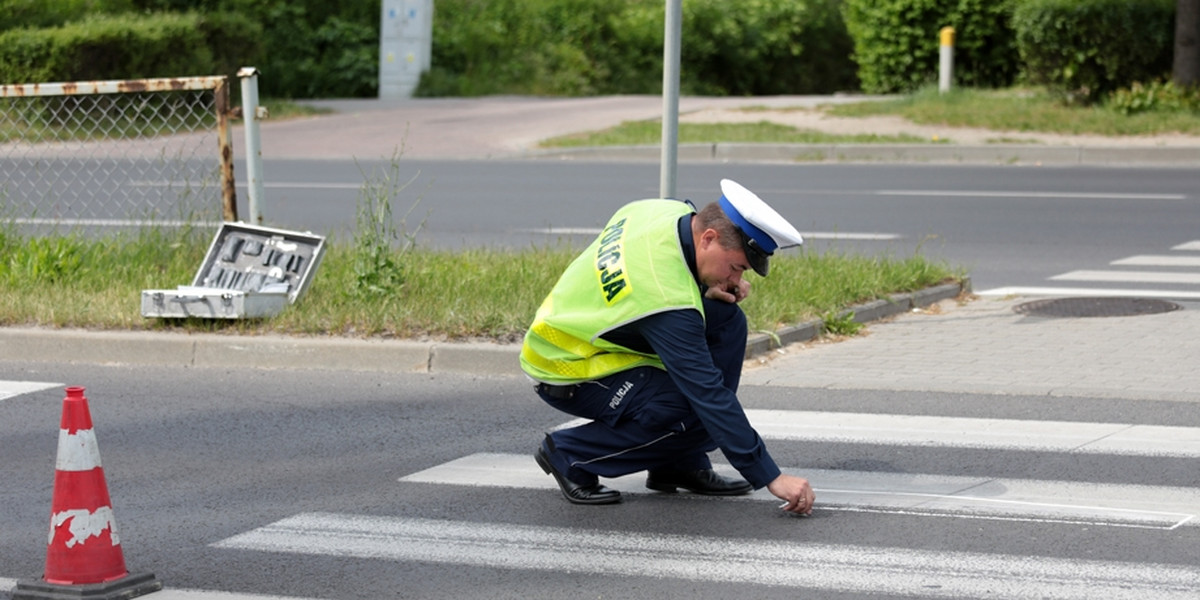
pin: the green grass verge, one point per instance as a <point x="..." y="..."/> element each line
<point x="1028" y="110"/>
<point x="75" y="281"/>
<point x="641" y="133"/>
<point x="1022" y="110"/>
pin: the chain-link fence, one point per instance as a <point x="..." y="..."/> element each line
<point x="116" y="152"/>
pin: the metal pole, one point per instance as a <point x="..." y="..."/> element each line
<point x="250" y="114"/>
<point x="670" y="118"/>
<point x="945" y="59"/>
<point x="229" y="210"/>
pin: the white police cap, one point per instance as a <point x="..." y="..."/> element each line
<point x="763" y="229"/>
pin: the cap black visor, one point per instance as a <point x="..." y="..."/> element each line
<point x="755" y="255"/>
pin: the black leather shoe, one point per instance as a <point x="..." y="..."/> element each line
<point x="704" y="481"/>
<point x="573" y="492"/>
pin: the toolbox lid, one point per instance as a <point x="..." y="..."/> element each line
<point x="255" y="259"/>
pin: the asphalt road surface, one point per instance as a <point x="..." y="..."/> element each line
<point x="351" y="485"/>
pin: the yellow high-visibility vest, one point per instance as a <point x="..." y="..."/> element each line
<point x="633" y="269"/>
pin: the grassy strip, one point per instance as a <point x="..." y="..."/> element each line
<point x="1022" y="110"/>
<point x="641" y="133"/>
<point x="1027" y="110"/>
<point x="73" y="281"/>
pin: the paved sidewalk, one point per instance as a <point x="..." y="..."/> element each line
<point x="510" y="127"/>
<point x="983" y="346"/>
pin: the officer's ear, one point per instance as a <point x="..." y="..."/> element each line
<point x="708" y="237"/>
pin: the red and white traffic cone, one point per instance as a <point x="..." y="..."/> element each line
<point x="83" y="555"/>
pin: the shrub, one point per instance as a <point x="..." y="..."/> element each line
<point x="1157" y="95"/>
<point x="766" y="47"/>
<point x="525" y="46"/>
<point x="311" y="50"/>
<point x="103" y="47"/>
<point x="1083" y="49"/>
<point x="52" y="13"/>
<point x="581" y="47"/>
<point x="896" y="42"/>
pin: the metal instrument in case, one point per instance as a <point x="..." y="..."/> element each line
<point x="250" y="272"/>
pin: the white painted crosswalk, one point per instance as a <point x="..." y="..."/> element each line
<point x="844" y="568"/>
<point x="807" y="565"/>
<point x="1133" y="272"/>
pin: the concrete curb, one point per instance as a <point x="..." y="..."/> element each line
<point x="208" y="350"/>
<point x="998" y="154"/>
<point x="762" y="343"/>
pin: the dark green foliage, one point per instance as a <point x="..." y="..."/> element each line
<point x="896" y="42"/>
<point x="52" y="13"/>
<point x="315" y="49"/>
<point x="1084" y="49"/>
<point x="766" y="47"/>
<point x="577" y="47"/>
<point x="533" y="47"/>
<point x="1162" y="96"/>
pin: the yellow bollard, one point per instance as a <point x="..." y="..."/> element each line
<point x="946" y="59"/>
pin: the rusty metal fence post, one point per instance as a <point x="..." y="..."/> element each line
<point x="119" y="153"/>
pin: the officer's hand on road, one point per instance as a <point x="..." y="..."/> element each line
<point x="732" y="295"/>
<point x="796" y="491"/>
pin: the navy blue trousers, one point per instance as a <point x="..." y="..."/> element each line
<point x="640" y="420"/>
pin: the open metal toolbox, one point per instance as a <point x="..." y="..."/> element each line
<point x="250" y="272"/>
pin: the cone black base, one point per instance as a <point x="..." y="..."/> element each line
<point x="129" y="586"/>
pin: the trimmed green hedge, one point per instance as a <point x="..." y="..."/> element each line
<point x="1084" y="49"/>
<point x="896" y="42"/>
<point x="129" y="47"/>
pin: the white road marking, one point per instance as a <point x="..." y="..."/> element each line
<point x="274" y="185"/>
<point x="115" y="222"/>
<point x="1147" y="507"/>
<point x="9" y="585"/>
<point x="960" y="432"/>
<point x="1002" y="292"/>
<point x="1194" y="245"/>
<point x="8" y="389"/>
<point x="1130" y="277"/>
<point x="1003" y="194"/>
<point x="899" y="571"/>
<point x="1158" y="260"/>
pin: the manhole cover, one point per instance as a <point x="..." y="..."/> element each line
<point x="1095" y="307"/>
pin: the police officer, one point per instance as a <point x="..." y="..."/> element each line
<point x="642" y="336"/>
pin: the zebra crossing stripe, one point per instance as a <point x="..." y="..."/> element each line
<point x="1154" y="260"/>
<point x="8" y="389"/>
<point x="1002" y="434"/>
<point x="845" y="568"/>
<point x="1136" y="506"/>
<point x="960" y="432"/>
<point x="1002" y="292"/>
<point x="1130" y="277"/>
